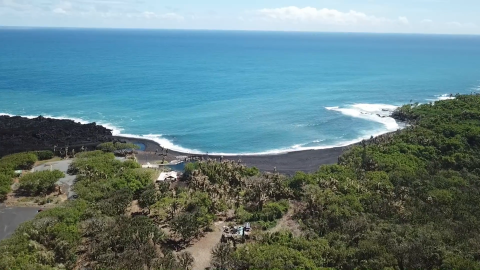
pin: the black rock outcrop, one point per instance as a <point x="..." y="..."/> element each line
<point x="20" y="134"/>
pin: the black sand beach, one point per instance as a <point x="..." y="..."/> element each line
<point x="288" y="163"/>
<point x="22" y="134"/>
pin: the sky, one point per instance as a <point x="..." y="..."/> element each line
<point x="378" y="16"/>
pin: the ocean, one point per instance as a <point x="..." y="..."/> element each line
<point x="231" y="92"/>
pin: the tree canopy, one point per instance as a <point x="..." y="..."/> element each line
<point x="405" y="200"/>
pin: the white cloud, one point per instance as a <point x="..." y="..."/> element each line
<point x="22" y="6"/>
<point x="426" y="21"/>
<point x="149" y="15"/>
<point x="461" y="25"/>
<point x="153" y="15"/>
<point x="171" y="16"/>
<point x="324" y="16"/>
<point x="59" y="11"/>
<point x="403" y="20"/>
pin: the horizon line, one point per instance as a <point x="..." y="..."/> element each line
<point x="229" y="30"/>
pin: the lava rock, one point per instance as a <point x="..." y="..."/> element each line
<point x="20" y="134"/>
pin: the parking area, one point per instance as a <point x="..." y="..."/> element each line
<point x="12" y="217"/>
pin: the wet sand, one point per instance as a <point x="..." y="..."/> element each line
<point x="288" y="163"/>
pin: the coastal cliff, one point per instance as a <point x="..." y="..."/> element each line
<point x="20" y="134"/>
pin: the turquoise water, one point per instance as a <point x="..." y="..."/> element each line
<point x="231" y="92"/>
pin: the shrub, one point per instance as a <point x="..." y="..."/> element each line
<point x="266" y="225"/>
<point x="44" y="155"/>
<point x="271" y="211"/>
<point x="243" y="215"/>
<point x="5" y="186"/>
<point x="190" y="167"/>
<point x="40" y="182"/>
<point x="20" y="161"/>
<point x="4" y="190"/>
<point x="111" y="147"/>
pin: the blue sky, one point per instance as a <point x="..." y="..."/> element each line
<point x="394" y="16"/>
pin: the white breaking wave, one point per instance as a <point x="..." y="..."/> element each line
<point x="163" y="142"/>
<point x="293" y="148"/>
<point x="441" y="97"/>
<point x="445" y="97"/>
<point x="379" y="113"/>
<point x="117" y="131"/>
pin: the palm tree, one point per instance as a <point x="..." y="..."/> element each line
<point x="185" y="260"/>
<point x="174" y="208"/>
<point x="222" y="256"/>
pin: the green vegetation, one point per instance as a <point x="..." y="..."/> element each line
<point x="44" y="155"/>
<point x="8" y="165"/>
<point x="260" y="198"/>
<point x="406" y="200"/>
<point x="21" y="161"/>
<point x="95" y="228"/>
<point x="40" y="183"/>
<point x="112" y="147"/>
<point x="5" y="183"/>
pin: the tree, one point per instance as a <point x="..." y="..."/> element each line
<point x="40" y="182"/>
<point x="112" y="147"/>
<point x="174" y="207"/>
<point x="222" y="256"/>
<point x="116" y="202"/>
<point x="259" y="190"/>
<point x="149" y="197"/>
<point x="126" y="243"/>
<point x="185" y="260"/>
<point x="5" y="183"/>
<point x="185" y="226"/>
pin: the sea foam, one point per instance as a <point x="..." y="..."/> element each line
<point x="372" y="112"/>
<point x="445" y="97"/>
<point x="379" y="113"/>
<point x="117" y="131"/>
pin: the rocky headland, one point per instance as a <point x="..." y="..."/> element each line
<point x="20" y="134"/>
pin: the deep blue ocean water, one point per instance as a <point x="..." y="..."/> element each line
<point x="231" y="92"/>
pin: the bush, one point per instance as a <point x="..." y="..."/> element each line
<point x="10" y="163"/>
<point x="5" y="186"/>
<point x="21" y="161"/>
<point x="4" y="190"/>
<point x="44" y="155"/>
<point x="265" y="225"/>
<point x="40" y="182"/>
<point x="243" y="215"/>
<point x="271" y="212"/>
<point x="111" y="147"/>
<point x="190" y="167"/>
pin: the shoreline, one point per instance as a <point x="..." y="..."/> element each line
<point x="286" y="163"/>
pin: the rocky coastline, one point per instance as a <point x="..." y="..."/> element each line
<point x="20" y="134"/>
<point x="67" y="137"/>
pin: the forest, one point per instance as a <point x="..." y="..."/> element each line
<point x="404" y="200"/>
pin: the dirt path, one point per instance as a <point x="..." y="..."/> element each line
<point x="288" y="223"/>
<point x="201" y="249"/>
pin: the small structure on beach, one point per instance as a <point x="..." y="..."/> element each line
<point x="167" y="176"/>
